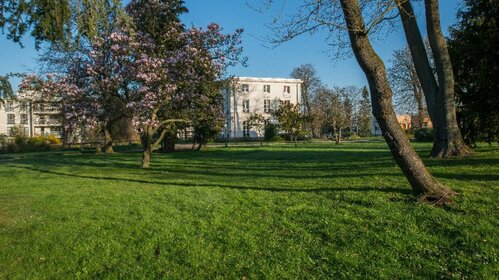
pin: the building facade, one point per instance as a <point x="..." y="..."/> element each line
<point x="405" y="121"/>
<point x="256" y="96"/>
<point x="31" y="118"/>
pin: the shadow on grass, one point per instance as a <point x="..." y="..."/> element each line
<point x="234" y="187"/>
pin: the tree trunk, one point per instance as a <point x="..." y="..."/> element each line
<point x="193" y="140"/>
<point x="296" y="141"/>
<point x="419" y="97"/>
<point x="168" y="142"/>
<point x="147" y="147"/>
<point x="98" y="149"/>
<point x="108" y="140"/>
<point x="424" y="186"/>
<point x="448" y="139"/>
<point x="419" y="56"/>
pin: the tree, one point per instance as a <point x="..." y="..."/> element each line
<point x="310" y="82"/>
<point x="257" y="122"/>
<point x="290" y="119"/>
<point x="6" y="91"/>
<point x="341" y="115"/>
<point x="55" y="21"/>
<point x="439" y="95"/>
<point x="408" y="94"/>
<point x="365" y="114"/>
<point x="476" y="69"/>
<point x="314" y="15"/>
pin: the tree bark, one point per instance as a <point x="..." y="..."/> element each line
<point x="448" y="139"/>
<point x="147" y="147"/>
<point x="419" y="97"/>
<point x="168" y="143"/>
<point x="108" y="140"/>
<point x="424" y="186"/>
<point x="419" y="56"/>
<point x="98" y="149"/>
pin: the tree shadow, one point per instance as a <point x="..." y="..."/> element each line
<point x="231" y="186"/>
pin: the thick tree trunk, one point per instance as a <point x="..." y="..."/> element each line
<point x="419" y="56"/>
<point x="424" y="186"/>
<point x="147" y="147"/>
<point x="108" y="140"/>
<point x="448" y="139"/>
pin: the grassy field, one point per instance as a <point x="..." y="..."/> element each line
<point x="320" y="211"/>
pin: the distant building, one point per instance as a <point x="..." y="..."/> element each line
<point x="256" y="95"/>
<point x="33" y="117"/>
<point x="405" y="121"/>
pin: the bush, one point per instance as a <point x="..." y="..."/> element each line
<point x="12" y="148"/>
<point x="270" y="132"/>
<point x="423" y="134"/>
<point x="31" y="144"/>
<point x="354" y="137"/>
<point x="276" y="139"/>
<point x="20" y="140"/>
<point x="53" y="140"/>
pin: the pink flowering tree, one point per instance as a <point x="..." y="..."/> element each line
<point x="74" y="107"/>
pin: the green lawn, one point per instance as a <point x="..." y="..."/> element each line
<point x="320" y="211"/>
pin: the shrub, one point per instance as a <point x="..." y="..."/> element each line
<point x="423" y="134"/>
<point x="12" y="148"/>
<point x="53" y="140"/>
<point x="276" y="139"/>
<point x="354" y="137"/>
<point x="20" y="140"/>
<point x="270" y="132"/>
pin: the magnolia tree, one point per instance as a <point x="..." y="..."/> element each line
<point x="55" y="88"/>
<point x="257" y="122"/>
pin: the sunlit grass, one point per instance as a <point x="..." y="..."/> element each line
<point x="320" y="211"/>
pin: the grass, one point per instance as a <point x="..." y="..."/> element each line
<point x="320" y="211"/>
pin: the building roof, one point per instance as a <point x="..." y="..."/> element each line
<point x="273" y="80"/>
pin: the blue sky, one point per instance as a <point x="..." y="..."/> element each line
<point x="263" y="61"/>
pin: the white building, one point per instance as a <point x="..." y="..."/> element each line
<point x="34" y="118"/>
<point x="256" y="96"/>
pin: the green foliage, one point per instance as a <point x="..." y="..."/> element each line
<point x="55" y="21"/>
<point x="320" y="211"/>
<point x="423" y="134"/>
<point x="270" y="131"/>
<point x="6" y="91"/>
<point x="365" y="114"/>
<point x="276" y="138"/>
<point x="257" y="122"/>
<point x="22" y="143"/>
<point x="473" y="50"/>
<point x="290" y="119"/>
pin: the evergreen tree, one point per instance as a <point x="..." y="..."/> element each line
<point x="473" y="48"/>
<point x="365" y="114"/>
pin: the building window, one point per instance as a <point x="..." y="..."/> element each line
<point x="9" y="106"/>
<point x="246" y="105"/>
<point x="287" y="89"/>
<point x="245" y="88"/>
<point x="266" y="88"/>
<point x="11" y="119"/>
<point x="24" y="118"/>
<point x="266" y="106"/>
<point x="287" y="102"/>
<point x="246" y="129"/>
<point x="41" y="120"/>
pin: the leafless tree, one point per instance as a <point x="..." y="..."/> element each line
<point x="359" y="19"/>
